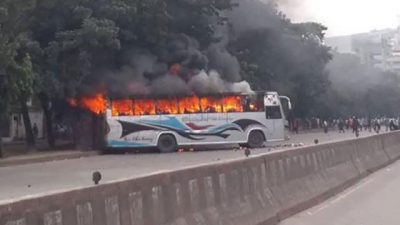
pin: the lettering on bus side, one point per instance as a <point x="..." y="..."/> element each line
<point x="139" y="139"/>
<point x="212" y="117"/>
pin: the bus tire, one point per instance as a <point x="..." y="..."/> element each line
<point x="167" y="143"/>
<point x="256" y="139"/>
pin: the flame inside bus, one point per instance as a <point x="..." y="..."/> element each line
<point x="164" y="106"/>
<point x="184" y="105"/>
<point x="97" y="103"/>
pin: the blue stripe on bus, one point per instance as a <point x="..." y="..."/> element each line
<point x="225" y="127"/>
<point x="171" y="122"/>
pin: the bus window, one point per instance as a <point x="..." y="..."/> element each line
<point x="189" y="105"/>
<point x="167" y="106"/>
<point x="122" y="107"/>
<point x="144" y="107"/>
<point x="232" y="104"/>
<point x="211" y="105"/>
<point x="273" y="112"/>
<point x="252" y="103"/>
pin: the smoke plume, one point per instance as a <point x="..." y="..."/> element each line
<point x="179" y="67"/>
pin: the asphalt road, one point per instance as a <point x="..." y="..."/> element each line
<point x="374" y="201"/>
<point x="19" y="182"/>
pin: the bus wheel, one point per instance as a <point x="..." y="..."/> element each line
<point x="256" y="139"/>
<point x="167" y="143"/>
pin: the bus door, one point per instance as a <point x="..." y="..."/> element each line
<point x="274" y="114"/>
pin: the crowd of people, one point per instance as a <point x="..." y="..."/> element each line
<point x="343" y="125"/>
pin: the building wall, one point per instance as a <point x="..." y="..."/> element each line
<point x="379" y="49"/>
<point x="17" y="127"/>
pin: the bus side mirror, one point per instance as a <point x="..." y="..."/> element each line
<point x="290" y="105"/>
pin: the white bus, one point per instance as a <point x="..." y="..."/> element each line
<point x="171" y="123"/>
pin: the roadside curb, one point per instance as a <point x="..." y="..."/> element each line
<point x="41" y="158"/>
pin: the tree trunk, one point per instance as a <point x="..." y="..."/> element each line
<point x="44" y="100"/>
<point x="76" y="129"/>
<point x="30" y="139"/>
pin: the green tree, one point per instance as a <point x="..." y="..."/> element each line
<point x="21" y="85"/>
<point x="14" y="60"/>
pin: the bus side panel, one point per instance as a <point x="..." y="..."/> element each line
<point x="279" y="130"/>
<point x="193" y="129"/>
<point x="180" y="129"/>
<point x="125" y="132"/>
<point x="203" y="128"/>
<point x="248" y="122"/>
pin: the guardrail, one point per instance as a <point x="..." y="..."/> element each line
<point x="259" y="190"/>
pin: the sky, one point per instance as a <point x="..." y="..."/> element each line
<point x="344" y="17"/>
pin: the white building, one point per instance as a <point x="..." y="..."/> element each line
<point x="380" y="49"/>
<point x="13" y="128"/>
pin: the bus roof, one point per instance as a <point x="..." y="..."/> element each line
<point x="116" y="97"/>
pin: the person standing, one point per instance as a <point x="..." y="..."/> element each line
<point x="35" y="130"/>
<point x="391" y="125"/>
<point x="325" y="126"/>
<point x="296" y="125"/>
<point x="377" y="126"/>
<point x="355" y="126"/>
<point x="369" y="124"/>
<point x="341" y="125"/>
<point x="387" y="124"/>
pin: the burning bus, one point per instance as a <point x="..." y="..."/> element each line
<point x="169" y="123"/>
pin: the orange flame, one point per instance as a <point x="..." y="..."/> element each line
<point x="137" y="107"/>
<point x="189" y="105"/>
<point x="183" y="105"/>
<point x="97" y="103"/>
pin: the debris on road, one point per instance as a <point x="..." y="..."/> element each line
<point x="247" y="152"/>
<point x="96" y="177"/>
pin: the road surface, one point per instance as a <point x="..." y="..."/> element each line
<point x="374" y="201"/>
<point x="18" y="182"/>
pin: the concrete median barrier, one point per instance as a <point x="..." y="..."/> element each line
<point x="260" y="190"/>
<point x="370" y="154"/>
<point x="391" y="145"/>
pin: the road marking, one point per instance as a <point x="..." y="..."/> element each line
<point x="348" y="193"/>
<point x="340" y="197"/>
<point x="319" y="209"/>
